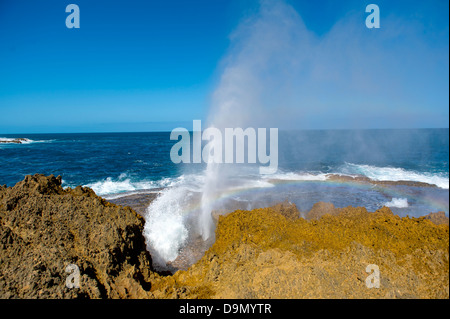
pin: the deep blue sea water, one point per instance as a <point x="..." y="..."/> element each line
<point x="118" y="164"/>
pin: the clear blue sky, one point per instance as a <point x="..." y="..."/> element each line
<point x="153" y="65"/>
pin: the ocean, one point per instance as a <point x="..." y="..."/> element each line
<point x="406" y="170"/>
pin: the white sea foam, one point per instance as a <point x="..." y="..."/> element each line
<point x="13" y="141"/>
<point x="113" y="187"/>
<point x="291" y="176"/>
<point x="165" y="227"/>
<point x="7" y="140"/>
<point x="258" y="183"/>
<point x="110" y="186"/>
<point x="397" y="202"/>
<point x="397" y="174"/>
<point x="120" y="195"/>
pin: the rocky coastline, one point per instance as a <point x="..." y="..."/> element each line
<point x="364" y="180"/>
<point x="19" y="140"/>
<point x="264" y="253"/>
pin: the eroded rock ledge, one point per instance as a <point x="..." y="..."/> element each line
<point x="268" y="253"/>
<point x="44" y="228"/>
<point x="19" y="140"/>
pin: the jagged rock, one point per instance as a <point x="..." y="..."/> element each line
<point x="320" y="209"/>
<point x="262" y="254"/>
<point x="287" y="209"/>
<point x="437" y="218"/>
<point x="44" y="228"/>
<point x="18" y="140"/>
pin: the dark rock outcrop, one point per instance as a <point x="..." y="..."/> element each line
<point x="19" y="140"/>
<point x="320" y="209"/>
<point x="437" y="218"/>
<point x="44" y="228"/>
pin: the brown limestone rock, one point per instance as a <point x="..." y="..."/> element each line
<point x="44" y="228"/>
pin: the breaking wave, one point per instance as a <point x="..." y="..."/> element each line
<point x="291" y="176"/>
<point x="397" y="202"/>
<point x="123" y="184"/>
<point x="165" y="227"/>
<point x="396" y="174"/>
<point x="21" y="140"/>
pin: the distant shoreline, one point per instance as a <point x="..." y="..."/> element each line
<point x="186" y="124"/>
<point x="365" y="180"/>
<point x="19" y="140"/>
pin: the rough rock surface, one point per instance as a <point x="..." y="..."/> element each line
<point x="263" y="253"/>
<point x="19" y="140"/>
<point x="320" y="209"/>
<point x="44" y="228"/>
<point x="366" y="180"/>
<point x="138" y="202"/>
<point x="437" y="218"/>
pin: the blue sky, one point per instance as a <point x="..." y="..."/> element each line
<point x="154" y="65"/>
